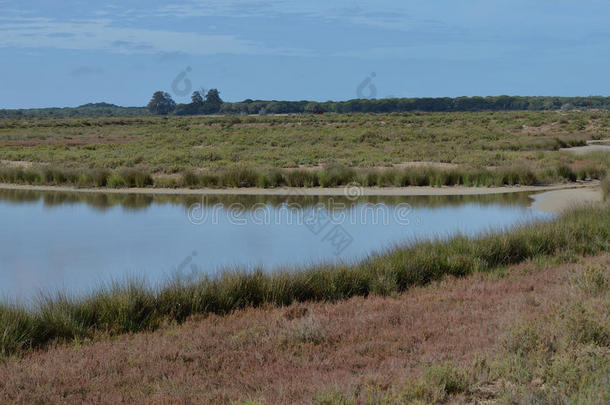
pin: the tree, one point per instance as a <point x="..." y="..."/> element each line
<point x="212" y="102"/>
<point x="197" y="98"/>
<point x="314" y="108"/>
<point x="161" y="103"/>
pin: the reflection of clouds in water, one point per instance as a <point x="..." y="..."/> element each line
<point x="75" y="247"/>
<point x="50" y="268"/>
<point x="26" y="275"/>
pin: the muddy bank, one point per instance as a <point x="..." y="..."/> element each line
<point x="349" y="191"/>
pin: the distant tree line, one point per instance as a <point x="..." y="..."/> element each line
<point x="213" y="104"/>
<point x="445" y="104"/>
<point x="85" y="110"/>
<point x="162" y="103"/>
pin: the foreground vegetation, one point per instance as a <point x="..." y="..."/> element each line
<point x="532" y="333"/>
<point x="132" y="307"/>
<point x="560" y="357"/>
<point x="485" y="149"/>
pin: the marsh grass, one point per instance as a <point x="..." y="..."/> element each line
<point x="169" y="145"/>
<point x="135" y="306"/>
<point x="606" y="186"/>
<point x="331" y="176"/>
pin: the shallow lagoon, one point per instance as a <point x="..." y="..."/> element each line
<point x="75" y="241"/>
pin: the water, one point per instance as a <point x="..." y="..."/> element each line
<point x="73" y="242"/>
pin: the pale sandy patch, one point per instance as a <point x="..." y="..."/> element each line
<point x="557" y="201"/>
<point x="15" y="163"/>
<point x="440" y="165"/>
<point x="583" y="150"/>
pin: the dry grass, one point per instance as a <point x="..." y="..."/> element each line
<point x="363" y="347"/>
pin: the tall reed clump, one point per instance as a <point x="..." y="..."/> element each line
<point x="49" y="175"/>
<point x="239" y="177"/>
<point x="335" y="175"/>
<point x="132" y="307"/>
<point x="135" y="178"/>
<point x="331" y="176"/>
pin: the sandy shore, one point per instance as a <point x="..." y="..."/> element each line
<point x="557" y="201"/>
<point x="583" y="150"/>
<point x="351" y="191"/>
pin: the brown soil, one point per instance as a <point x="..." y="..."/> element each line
<point x="264" y="353"/>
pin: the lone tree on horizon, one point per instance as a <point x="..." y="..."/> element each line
<point x="161" y="103"/>
<point x="213" y="102"/>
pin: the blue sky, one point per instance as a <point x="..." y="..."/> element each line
<point x="66" y="53"/>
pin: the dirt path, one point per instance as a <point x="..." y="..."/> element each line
<point x="290" y="355"/>
<point x="338" y="191"/>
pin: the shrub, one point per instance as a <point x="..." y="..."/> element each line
<point x="301" y="178"/>
<point x="135" y="178"/>
<point x="97" y="177"/>
<point x="190" y="179"/>
<point x="115" y="181"/>
<point x="275" y="178"/>
<point x="593" y="279"/>
<point x="239" y="177"/>
<point x="566" y="172"/>
<point x="306" y="330"/>
<point x="584" y="326"/>
<point x="438" y="384"/>
<point x="336" y="175"/>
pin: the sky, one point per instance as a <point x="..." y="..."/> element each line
<point x="68" y="53"/>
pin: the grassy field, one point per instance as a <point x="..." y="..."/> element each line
<point x="483" y="148"/>
<point x="133" y="307"/>
<point x="536" y="332"/>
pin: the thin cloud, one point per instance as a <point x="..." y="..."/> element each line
<point x="172" y="56"/>
<point x="86" y="71"/>
<point x="101" y="34"/>
<point x="355" y="12"/>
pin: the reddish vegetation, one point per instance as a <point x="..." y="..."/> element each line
<point x="288" y="355"/>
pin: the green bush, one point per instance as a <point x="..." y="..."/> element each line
<point x="135" y="178"/>
<point x="190" y="179"/>
<point x="566" y="173"/>
<point x="115" y="181"/>
<point x="239" y="177"/>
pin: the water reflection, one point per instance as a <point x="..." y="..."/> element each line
<point x="73" y="241"/>
<point x="135" y="201"/>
